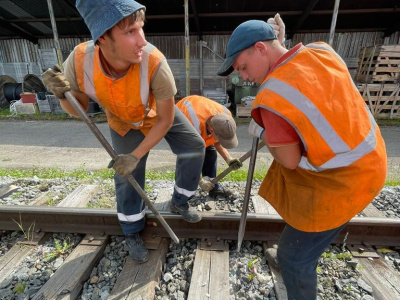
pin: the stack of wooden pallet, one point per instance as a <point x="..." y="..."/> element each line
<point x="378" y="79"/>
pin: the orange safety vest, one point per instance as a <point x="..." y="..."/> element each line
<point x="344" y="163"/>
<point x="198" y="110"/>
<point x="127" y="101"/>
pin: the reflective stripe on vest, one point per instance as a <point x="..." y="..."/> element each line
<point x="193" y="115"/>
<point x="144" y="83"/>
<point x="344" y="156"/>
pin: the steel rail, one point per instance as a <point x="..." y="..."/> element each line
<point x="224" y="225"/>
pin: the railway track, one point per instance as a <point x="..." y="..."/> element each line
<point x="207" y="249"/>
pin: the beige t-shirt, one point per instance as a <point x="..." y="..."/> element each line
<point x="162" y="86"/>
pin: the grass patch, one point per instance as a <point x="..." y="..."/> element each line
<point x="5" y="114"/>
<point x="60" y="248"/>
<point x="54" y="173"/>
<point x="28" y="233"/>
<point x="392" y="182"/>
<point x="241" y="175"/>
<point x="388" y="122"/>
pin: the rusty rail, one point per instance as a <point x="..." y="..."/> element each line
<point x="260" y="227"/>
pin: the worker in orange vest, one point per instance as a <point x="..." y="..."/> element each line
<point x="216" y="126"/>
<point x="329" y="156"/>
<point x="131" y="79"/>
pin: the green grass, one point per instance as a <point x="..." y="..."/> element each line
<point x="388" y="122"/>
<point x="5" y="114"/>
<point x="54" y="173"/>
<point x="60" y="248"/>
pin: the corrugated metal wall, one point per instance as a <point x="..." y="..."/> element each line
<point x="19" y="55"/>
<point x="346" y="44"/>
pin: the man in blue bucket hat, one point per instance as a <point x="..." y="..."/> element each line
<point x="131" y="79"/>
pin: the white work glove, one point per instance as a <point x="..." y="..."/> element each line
<point x="255" y="130"/>
<point x="279" y="27"/>
<point x="234" y="163"/>
<point x="205" y="184"/>
<point x="125" y="164"/>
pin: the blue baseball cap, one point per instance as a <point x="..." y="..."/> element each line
<point x="244" y="36"/>
<point x="101" y="15"/>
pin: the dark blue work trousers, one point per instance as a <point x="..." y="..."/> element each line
<point x="210" y="164"/>
<point x="298" y="254"/>
<point x="188" y="146"/>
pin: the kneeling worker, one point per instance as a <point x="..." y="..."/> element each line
<point x="216" y="126"/>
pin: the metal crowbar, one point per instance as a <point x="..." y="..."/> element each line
<point x="243" y="217"/>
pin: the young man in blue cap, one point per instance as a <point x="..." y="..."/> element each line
<point x="329" y="156"/>
<point x="131" y="80"/>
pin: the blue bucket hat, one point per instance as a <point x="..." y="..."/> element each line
<point x="101" y="15"/>
<point x="244" y="36"/>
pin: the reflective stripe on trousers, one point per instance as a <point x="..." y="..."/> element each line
<point x="186" y="143"/>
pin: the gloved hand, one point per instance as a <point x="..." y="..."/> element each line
<point x="255" y="130"/>
<point x="125" y="164"/>
<point x="205" y="184"/>
<point x="279" y="27"/>
<point x="54" y="79"/>
<point x="235" y="163"/>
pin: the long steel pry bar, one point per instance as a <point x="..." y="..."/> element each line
<point x="242" y="159"/>
<point x="243" y="217"/>
<point x="75" y="104"/>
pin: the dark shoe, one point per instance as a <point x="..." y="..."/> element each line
<point x="220" y="193"/>
<point x="189" y="214"/>
<point x="137" y="249"/>
<point x="272" y="257"/>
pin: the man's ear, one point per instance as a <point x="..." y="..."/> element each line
<point x="101" y="39"/>
<point x="260" y="46"/>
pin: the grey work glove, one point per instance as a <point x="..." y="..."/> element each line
<point x="235" y="163"/>
<point x="255" y="130"/>
<point x="205" y="184"/>
<point x="279" y="27"/>
<point x="125" y="164"/>
<point x="54" y="79"/>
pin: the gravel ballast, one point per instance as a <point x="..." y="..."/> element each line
<point x="249" y="277"/>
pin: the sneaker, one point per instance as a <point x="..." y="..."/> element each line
<point x="137" y="249"/>
<point x="189" y="214"/>
<point x="272" y="257"/>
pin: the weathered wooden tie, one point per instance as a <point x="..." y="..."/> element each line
<point x="210" y="278"/>
<point x="6" y="190"/>
<point x="385" y="281"/>
<point x="12" y="259"/>
<point x="138" y="281"/>
<point x="80" y="197"/>
<point x="68" y="280"/>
